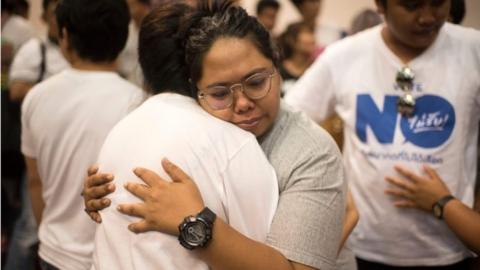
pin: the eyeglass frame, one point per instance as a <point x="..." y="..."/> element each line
<point x="201" y="94"/>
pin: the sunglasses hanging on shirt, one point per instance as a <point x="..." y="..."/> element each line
<point x="406" y="103"/>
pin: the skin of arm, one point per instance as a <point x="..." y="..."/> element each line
<point x="167" y="203"/>
<point x="35" y="188"/>
<point x="19" y="89"/>
<point x="351" y="219"/>
<point x="423" y="191"/>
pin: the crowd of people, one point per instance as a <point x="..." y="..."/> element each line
<point x="147" y="134"/>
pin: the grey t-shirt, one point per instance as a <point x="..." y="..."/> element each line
<point x="308" y="222"/>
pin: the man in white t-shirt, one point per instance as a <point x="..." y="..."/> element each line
<point x="214" y="153"/>
<point x="357" y="79"/>
<point x="65" y="120"/>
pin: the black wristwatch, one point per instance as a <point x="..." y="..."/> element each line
<point x="437" y="207"/>
<point x="196" y="231"/>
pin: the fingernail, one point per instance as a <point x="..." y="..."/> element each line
<point x="111" y="187"/>
<point x="106" y="201"/>
<point x="119" y="208"/>
<point x="110" y="177"/>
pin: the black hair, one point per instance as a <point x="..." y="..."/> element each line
<point x="457" y="11"/>
<point x="288" y="38"/>
<point x="8" y="6"/>
<point x="45" y="3"/>
<point x="217" y="19"/>
<point x="264" y="4"/>
<point x="97" y="29"/>
<point x="160" y="49"/>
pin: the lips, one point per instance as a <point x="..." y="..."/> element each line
<point x="249" y="124"/>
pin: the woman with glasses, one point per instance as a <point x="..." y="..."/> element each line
<point x="233" y="73"/>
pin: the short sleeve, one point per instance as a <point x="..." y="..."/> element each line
<point x="314" y="92"/>
<point x="27" y="139"/>
<point x="251" y="191"/>
<point x="26" y="64"/>
<point x="308" y="223"/>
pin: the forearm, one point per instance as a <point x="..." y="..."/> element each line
<point x="35" y="191"/>
<point x="351" y="220"/>
<point x="464" y="222"/>
<point x="231" y="250"/>
<point x="19" y="89"/>
<point x="35" y="188"/>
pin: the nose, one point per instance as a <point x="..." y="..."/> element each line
<point x="427" y="16"/>
<point x="242" y="103"/>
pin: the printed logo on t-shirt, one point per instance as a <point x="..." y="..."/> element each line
<point x="430" y="126"/>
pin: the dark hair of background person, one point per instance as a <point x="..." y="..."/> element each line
<point x="264" y="4"/>
<point x="221" y="19"/>
<point x="457" y="11"/>
<point x="287" y="40"/>
<point x="97" y="29"/>
<point x="298" y="2"/>
<point x="160" y="49"/>
<point x="8" y="5"/>
<point x="45" y="3"/>
<point x="364" y="20"/>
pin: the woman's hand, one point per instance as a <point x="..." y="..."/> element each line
<point x="95" y="188"/>
<point x="165" y="204"/>
<point x="417" y="191"/>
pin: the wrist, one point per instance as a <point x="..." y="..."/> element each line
<point x="196" y="231"/>
<point x="439" y="205"/>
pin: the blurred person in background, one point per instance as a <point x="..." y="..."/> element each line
<point x="267" y="11"/>
<point x="297" y="45"/>
<point x="65" y="121"/>
<point x="325" y="33"/>
<point x="128" y="66"/>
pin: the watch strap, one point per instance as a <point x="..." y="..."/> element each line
<point x="207" y="215"/>
<point x="441" y="204"/>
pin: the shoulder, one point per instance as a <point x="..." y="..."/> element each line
<point x="463" y="34"/>
<point x="361" y="42"/>
<point x="304" y="139"/>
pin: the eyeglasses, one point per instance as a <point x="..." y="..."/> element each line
<point x="406" y="103"/>
<point x="220" y="97"/>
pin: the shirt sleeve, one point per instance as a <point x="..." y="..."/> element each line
<point x="251" y="191"/>
<point x="308" y="223"/>
<point x="314" y="92"/>
<point x="26" y="64"/>
<point x="27" y="140"/>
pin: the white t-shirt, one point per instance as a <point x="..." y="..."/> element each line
<point x="17" y="31"/>
<point x="356" y="78"/>
<point x="65" y="120"/>
<point x="233" y="175"/>
<point x="27" y="61"/>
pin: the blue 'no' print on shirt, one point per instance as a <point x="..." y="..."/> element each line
<point x="431" y="125"/>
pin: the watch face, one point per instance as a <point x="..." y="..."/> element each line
<point x="437" y="211"/>
<point x="195" y="233"/>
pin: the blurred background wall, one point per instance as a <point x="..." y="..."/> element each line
<point x="334" y="12"/>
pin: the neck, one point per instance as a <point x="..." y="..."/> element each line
<point x="404" y="52"/>
<point x="297" y="64"/>
<point x="94" y="66"/>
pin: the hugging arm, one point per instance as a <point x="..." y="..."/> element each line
<point x="167" y="203"/>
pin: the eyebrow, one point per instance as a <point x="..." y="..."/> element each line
<point x="251" y="73"/>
